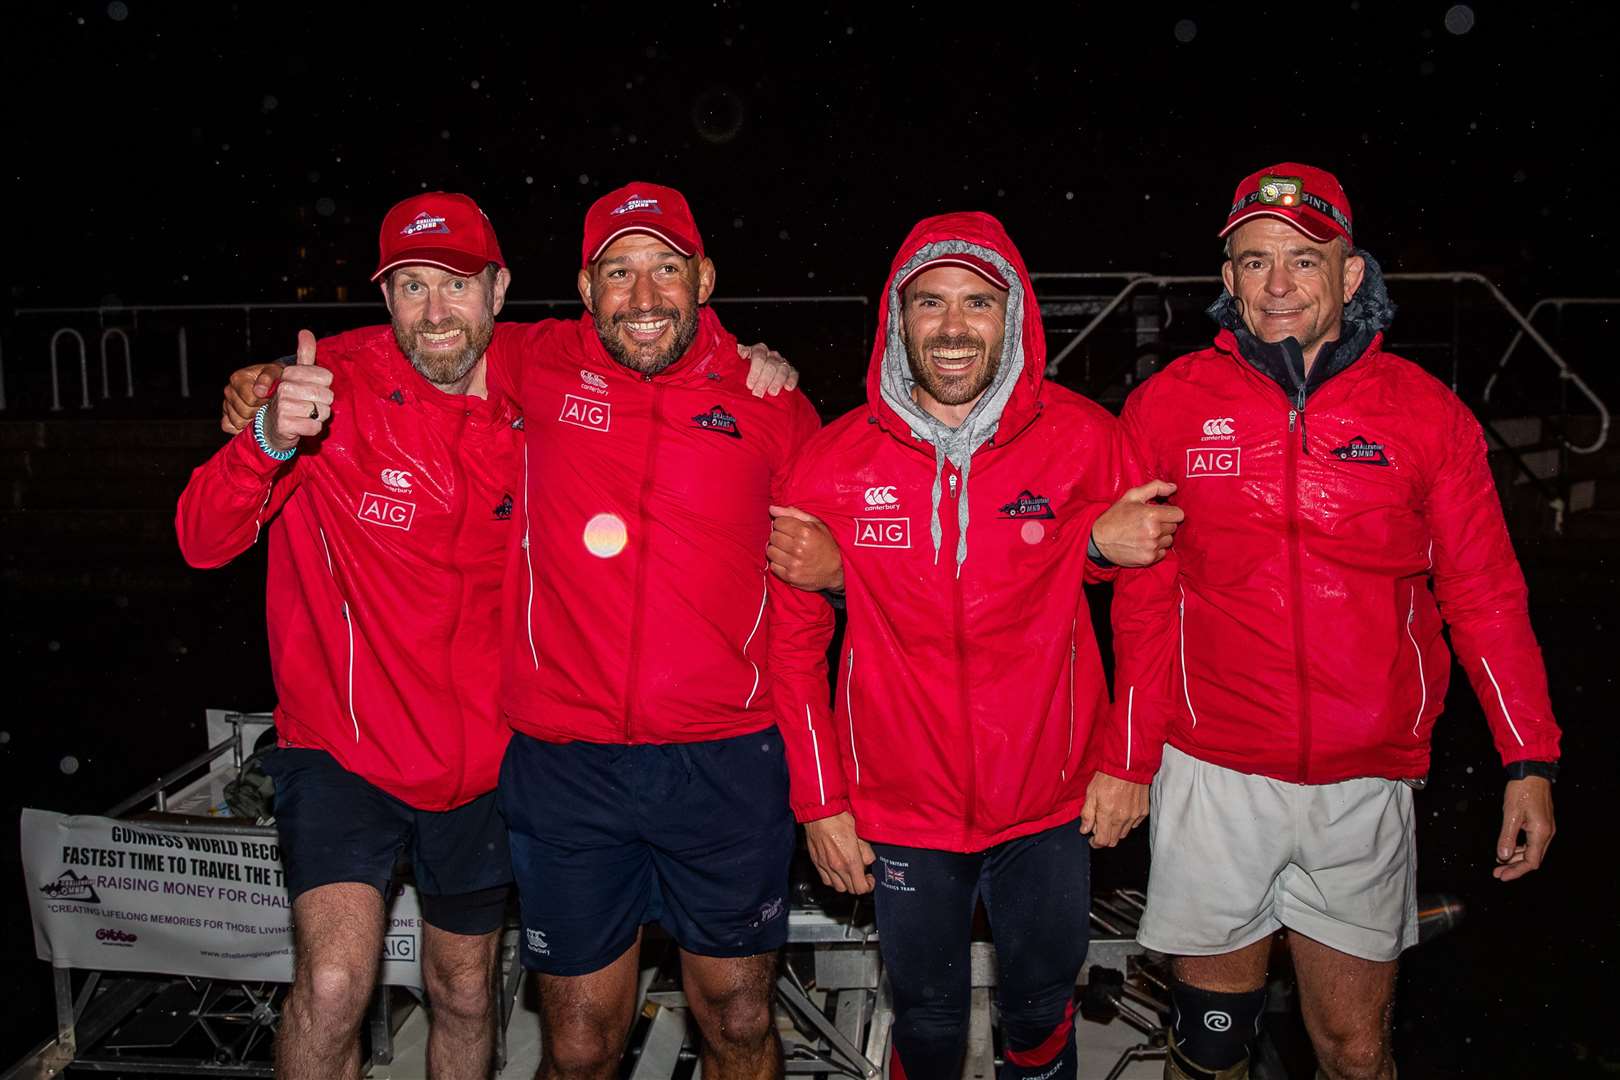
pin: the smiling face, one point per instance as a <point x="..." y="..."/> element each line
<point x="953" y="323"/>
<point x="1289" y="285"/>
<point x="644" y="296"/>
<point x="443" y="321"/>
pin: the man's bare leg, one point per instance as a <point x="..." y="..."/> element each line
<point x="730" y="997"/>
<point x="1347" y="1002"/>
<point x="1229" y="973"/>
<point x="459" y="973"/>
<point x="338" y="933"/>
<point x="584" y="1020"/>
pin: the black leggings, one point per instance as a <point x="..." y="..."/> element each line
<point x="1037" y="892"/>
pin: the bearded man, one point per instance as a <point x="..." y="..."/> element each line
<point x="383" y="470"/>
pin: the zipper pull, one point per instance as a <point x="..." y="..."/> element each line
<point x="952" y="479"/>
<point x="1292" y="417"/>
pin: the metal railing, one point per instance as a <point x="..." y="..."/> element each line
<point x="117" y="334"/>
<point x="1570" y="377"/>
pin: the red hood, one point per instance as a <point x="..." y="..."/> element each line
<point x="987" y="234"/>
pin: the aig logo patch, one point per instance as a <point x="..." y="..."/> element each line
<point x="1207" y="461"/>
<point x="883" y="532"/>
<point x="585" y="413"/>
<point x="381" y="510"/>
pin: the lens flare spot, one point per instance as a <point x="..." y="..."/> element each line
<point x="606" y="535"/>
<point x="1033" y="532"/>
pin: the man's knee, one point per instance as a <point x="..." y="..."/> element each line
<point x="334" y="991"/>
<point x="738" y="1016"/>
<point x="1352" y="1055"/>
<point x="581" y="1045"/>
<point x="462" y="990"/>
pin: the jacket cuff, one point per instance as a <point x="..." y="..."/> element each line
<point x="247" y="464"/>
<point x="1137" y="775"/>
<point x="808" y="812"/>
<point x="1095" y="572"/>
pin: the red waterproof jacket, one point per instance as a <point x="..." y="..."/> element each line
<point x="969" y="684"/>
<point x="635" y="589"/>
<point x="383" y="593"/>
<point x="1330" y="532"/>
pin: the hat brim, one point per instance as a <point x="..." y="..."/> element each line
<point x="1315" y="228"/>
<point x="965" y="262"/>
<point x="465" y="263"/>
<point x="681" y="244"/>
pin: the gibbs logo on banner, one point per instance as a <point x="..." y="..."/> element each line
<point x="196" y="900"/>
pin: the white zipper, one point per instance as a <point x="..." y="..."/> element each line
<point x="348" y="624"/>
<point x="1074" y="628"/>
<point x="1411" y="615"/>
<point x="764" y="591"/>
<point x="1182" y="631"/>
<point x="849" y="711"/>
<point x="528" y="558"/>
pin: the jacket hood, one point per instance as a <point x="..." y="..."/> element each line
<point x="1012" y="399"/>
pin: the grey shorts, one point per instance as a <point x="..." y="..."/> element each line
<point x="1237" y="856"/>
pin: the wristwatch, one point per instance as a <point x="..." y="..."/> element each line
<point x="1518" y="770"/>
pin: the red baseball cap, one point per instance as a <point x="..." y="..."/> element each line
<point x="1309" y="199"/>
<point x="966" y="261"/>
<point x="640" y="208"/>
<point x="437" y="228"/>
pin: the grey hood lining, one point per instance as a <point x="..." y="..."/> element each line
<point x="956" y="445"/>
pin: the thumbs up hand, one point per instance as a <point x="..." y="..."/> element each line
<point x="1136" y="531"/>
<point x="303" y="399"/>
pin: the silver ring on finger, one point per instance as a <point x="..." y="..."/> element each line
<point x="314" y="411"/>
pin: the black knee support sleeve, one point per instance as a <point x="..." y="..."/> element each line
<point x="1212" y="1029"/>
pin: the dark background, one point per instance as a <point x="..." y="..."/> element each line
<point x="217" y="154"/>
<point x="183" y="153"/>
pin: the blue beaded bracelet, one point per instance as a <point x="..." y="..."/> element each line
<point x="264" y="444"/>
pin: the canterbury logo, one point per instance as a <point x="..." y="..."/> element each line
<point x="396" y="479"/>
<point x="881" y="496"/>
<point x="591" y="378"/>
<point x="1221" y="425"/>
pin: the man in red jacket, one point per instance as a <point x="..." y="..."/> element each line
<point x="384" y="470"/>
<point x="1339" y="509"/>
<point x="645" y="780"/>
<point x="961" y="760"/>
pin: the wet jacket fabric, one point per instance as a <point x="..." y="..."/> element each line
<point x="386" y="540"/>
<point x="636" y="584"/>
<point x="1334" y="526"/>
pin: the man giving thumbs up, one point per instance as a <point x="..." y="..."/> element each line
<point x="384" y="473"/>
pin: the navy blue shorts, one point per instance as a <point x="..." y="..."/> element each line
<point x="694" y="836"/>
<point x="336" y="827"/>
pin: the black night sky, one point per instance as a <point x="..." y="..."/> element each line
<point x="183" y="153"/>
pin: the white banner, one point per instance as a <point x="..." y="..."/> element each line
<point x="121" y="896"/>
